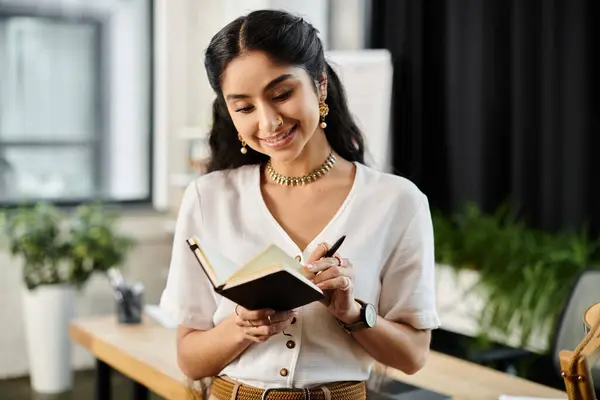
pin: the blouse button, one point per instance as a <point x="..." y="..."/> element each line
<point x="283" y="372"/>
<point x="290" y="344"/>
<point x="298" y="258"/>
<point x="293" y="320"/>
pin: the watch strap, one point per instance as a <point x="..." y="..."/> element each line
<point x="357" y="326"/>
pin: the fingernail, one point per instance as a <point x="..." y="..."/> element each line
<point x="270" y="312"/>
<point x="294" y="313"/>
<point x="310" y="266"/>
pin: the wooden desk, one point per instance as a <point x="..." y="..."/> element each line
<point x="146" y="353"/>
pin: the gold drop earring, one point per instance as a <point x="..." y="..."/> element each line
<point x="243" y="150"/>
<point x="323" y="111"/>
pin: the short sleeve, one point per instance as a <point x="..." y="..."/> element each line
<point x="408" y="278"/>
<point x="188" y="296"/>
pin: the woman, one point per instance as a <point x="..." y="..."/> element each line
<point x="287" y="168"/>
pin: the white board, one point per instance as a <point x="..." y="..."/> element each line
<point x="367" y="77"/>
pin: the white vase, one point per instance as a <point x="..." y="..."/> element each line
<point x="48" y="310"/>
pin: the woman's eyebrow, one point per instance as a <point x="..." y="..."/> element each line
<point x="269" y="86"/>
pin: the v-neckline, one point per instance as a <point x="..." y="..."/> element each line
<point x="271" y="218"/>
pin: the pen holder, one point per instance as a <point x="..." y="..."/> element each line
<point x="129" y="303"/>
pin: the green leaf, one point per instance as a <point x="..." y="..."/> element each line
<point x="525" y="272"/>
<point x="56" y="247"/>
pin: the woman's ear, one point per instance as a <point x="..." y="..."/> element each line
<point x="323" y="87"/>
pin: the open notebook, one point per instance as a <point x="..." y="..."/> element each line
<point x="271" y="279"/>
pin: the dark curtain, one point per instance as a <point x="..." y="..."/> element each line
<point x="495" y="101"/>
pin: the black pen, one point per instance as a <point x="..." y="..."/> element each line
<point x="335" y="247"/>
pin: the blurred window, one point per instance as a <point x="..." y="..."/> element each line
<point x="75" y="111"/>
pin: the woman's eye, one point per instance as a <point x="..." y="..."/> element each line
<point x="283" y="96"/>
<point x="244" y="109"/>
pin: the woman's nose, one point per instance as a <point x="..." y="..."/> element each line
<point x="269" y="121"/>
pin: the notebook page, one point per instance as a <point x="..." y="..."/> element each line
<point x="222" y="266"/>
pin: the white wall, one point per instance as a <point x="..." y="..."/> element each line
<point x="347" y="24"/>
<point x="128" y="50"/>
<point x="367" y="77"/>
<point x="314" y="11"/>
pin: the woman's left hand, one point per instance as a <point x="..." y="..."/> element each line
<point x="335" y="276"/>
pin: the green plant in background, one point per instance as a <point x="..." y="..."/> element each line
<point x="524" y="274"/>
<point x="35" y="234"/>
<point x="61" y="248"/>
<point x="95" y="245"/>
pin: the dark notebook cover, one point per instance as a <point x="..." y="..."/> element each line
<point x="280" y="291"/>
<point x="380" y="387"/>
<point x="280" y="284"/>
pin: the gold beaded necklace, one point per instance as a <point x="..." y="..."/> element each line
<point x="301" y="180"/>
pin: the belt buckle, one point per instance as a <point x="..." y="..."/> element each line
<point x="267" y="391"/>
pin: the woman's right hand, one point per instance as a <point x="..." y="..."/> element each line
<point x="260" y="325"/>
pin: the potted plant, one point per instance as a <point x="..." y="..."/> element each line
<point x="523" y="274"/>
<point x="59" y="254"/>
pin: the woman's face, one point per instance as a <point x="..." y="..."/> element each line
<point x="275" y="108"/>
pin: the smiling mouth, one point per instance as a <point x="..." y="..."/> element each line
<point x="281" y="136"/>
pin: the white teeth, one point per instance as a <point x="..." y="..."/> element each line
<point x="280" y="137"/>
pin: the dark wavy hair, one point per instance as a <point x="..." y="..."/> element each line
<point x="286" y="39"/>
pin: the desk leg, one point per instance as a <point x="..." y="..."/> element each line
<point x="139" y="391"/>
<point x="102" y="389"/>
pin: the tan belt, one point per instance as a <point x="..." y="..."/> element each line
<point x="225" y="389"/>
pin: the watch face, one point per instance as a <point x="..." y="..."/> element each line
<point x="370" y="315"/>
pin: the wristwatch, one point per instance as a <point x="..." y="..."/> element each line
<point x="368" y="318"/>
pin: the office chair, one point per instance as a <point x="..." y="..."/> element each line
<point x="571" y="329"/>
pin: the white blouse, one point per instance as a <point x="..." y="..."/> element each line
<point x="389" y="241"/>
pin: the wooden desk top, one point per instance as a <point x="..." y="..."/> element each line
<point x="147" y="354"/>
